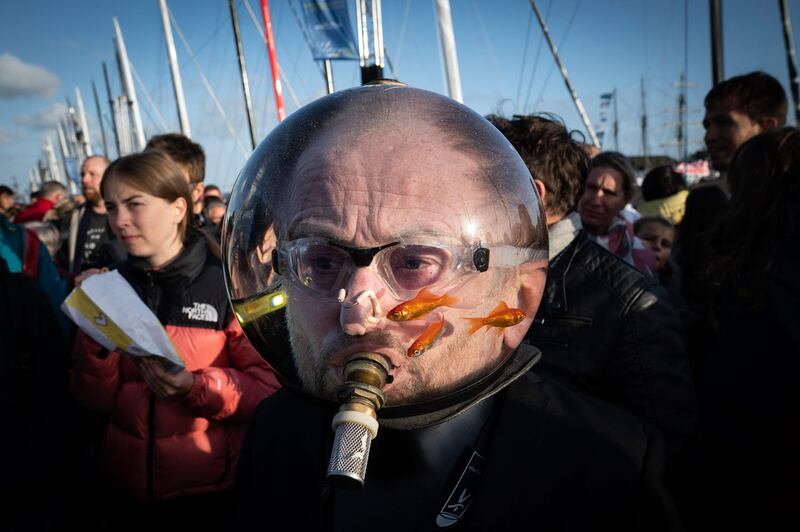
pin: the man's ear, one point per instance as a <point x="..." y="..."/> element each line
<point x="198" y="189"/>
<point x="532" y="276"/>
<point x="540" y="188"/>
<point x="767" y="123"/>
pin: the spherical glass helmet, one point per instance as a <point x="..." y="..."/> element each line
<point x="383" y="216"/>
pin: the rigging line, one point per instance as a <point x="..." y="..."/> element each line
<point x="148" y="99"/>
<point x="536" y="60"/>
<point x="524" y="59"/>
<point x="487" y="40"/>
<point x="560" y="46"/>
<point x="208" y="85"/>
<point x="401" y="39"/>
<point x="260" y="31"/>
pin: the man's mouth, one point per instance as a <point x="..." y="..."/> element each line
<point x="339" y="361"/>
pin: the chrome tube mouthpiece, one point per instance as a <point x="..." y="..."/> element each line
<point x="356" y="422"/>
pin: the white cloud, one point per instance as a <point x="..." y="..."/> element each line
<point x="10" y="135"/>
<point x="46" y="118"/>
<point x="19" y="79"/>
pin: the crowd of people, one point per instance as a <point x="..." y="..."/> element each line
<point x="620" y="353"/>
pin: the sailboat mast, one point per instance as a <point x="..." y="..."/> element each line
<point x="444" y="25"/>
<point x="85" y="140"/>
<point x="273" y="60"/>
<point x="578" y="105"/>
<point x="717" y="63"/>
<point x="616" y="121"/>
<point x="644" y="128"/>
<point x="367" y="10"/>
<point x="100" y="119"/>
<point x="177" y="84"/>
<point x="129" y="89"/>
<point x="790" y="58"/>
<point x="112" y="108"/>
<point x="243" y="71"/>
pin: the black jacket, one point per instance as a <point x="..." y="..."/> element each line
<point x="554" y="460"/>
<point x="607" y="330"/>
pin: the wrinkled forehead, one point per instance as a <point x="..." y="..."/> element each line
<point x="368" y="188"/>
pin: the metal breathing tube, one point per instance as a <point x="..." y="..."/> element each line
<point x="356" y="422"/>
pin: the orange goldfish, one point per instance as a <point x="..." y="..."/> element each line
<point x="426" y="339"/>
<point x="500" y="317"/>
<point x="423" y="303"/>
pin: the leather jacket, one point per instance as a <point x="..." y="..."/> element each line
<point x="609" y="331"/>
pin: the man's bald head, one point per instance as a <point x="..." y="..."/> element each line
<point x="384" y="125"/>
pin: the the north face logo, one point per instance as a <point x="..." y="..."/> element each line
<point x="201" y="312"/>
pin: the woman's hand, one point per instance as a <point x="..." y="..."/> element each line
<point x="85" y="274"/>
<point x="165" y="385"/>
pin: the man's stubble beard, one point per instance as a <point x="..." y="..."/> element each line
<point x="451" y="360"/>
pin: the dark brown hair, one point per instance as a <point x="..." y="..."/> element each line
<point x="765" y="188"/>
<point x="156" y="174"/>
<point x="662" y="182"/>
<point x="187" y="154"/>
<point x="758" y="95"/>
<point x="551" y="154"/>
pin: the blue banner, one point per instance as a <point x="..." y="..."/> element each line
<point x="329" y="32"/>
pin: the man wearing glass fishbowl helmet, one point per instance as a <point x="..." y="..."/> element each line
<point x="396" y="237"/>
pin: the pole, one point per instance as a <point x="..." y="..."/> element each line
<point x="685" y="84"/>
<point x="644" y="128"/>
<point x="578" y="105"/>
<point x="129" y="89"/>
<point x="680" y="136"/>
<point x="273" y="60"/>
<point x="328" y="76"/>
<point x="85" y="141"/>
<point x="62" y="142"/>
<point x="616" y="121"/>
<point x="717" y="62"/>
<point x="444" y="25"/>
<point x="177" y="84"/>
<point x="100" y="120"/>
<point x="112" y="108"/>
<point x="243" y="71"/>
<point x="790" y="58"/>
<point x="369" y="10"/>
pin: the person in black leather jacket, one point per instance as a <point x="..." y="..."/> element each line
<point x="604" y="328"/>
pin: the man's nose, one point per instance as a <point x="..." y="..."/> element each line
<point x="362" y="309"/>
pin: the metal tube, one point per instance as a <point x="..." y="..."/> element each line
<point x="243" y="71"/>
<point x="578" y="105"/>
<point x="177" y="84"/>
<point x="273" y="60"/>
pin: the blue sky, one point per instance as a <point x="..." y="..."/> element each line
<point x="603" y="43"/>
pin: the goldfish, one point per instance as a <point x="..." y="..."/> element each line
<point x="501" y="316"/>
<point x="426" y="339"/>
<point x="424" y="302"/>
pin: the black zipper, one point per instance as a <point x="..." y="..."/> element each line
<point x="151" y="441"/>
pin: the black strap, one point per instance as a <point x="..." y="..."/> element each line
<point x="462" y="496"/>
